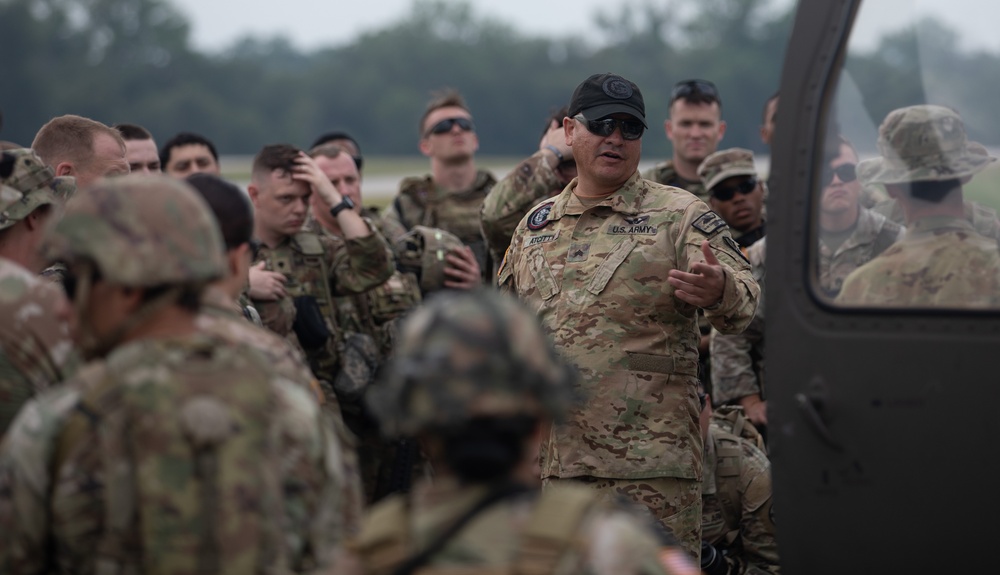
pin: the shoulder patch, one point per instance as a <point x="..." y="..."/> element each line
<point x="709" y="223"/>
<point x="540" y="217"/>
<point x="736" y="248"/>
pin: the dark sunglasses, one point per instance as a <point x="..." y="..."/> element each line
<point x="724" y="194"/>
<point x="846" y="173"/>
<point x="687" y="88"/>
<point x="631" y="129"/>
<point x="444" y="126"/>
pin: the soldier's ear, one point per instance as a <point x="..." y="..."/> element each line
<point x="64" y="169"/>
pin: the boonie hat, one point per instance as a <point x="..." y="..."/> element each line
<point x="26" y="184"/>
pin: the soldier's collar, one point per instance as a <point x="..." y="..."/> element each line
<point x="625" y="200"/>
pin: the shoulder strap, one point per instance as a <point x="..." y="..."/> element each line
<point x="309" y="244"/>
<point x="552" y="528"/>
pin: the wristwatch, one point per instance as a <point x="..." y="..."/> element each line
<point x="345" y="204"/>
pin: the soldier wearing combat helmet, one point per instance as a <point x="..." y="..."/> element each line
<point x="941" y="260"/>
<point x="82" y="469"/>
<point x="476" y="380"/>
<point x="35" y="348"/>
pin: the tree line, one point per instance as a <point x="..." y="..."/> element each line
<point x="133" y="61"/>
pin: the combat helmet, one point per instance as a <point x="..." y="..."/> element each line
<point x="26" y="184"/>
<point x="422" y="251"/>
<point x="468" y="354"/>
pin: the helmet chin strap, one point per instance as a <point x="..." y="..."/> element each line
<point x="93" y="345"/>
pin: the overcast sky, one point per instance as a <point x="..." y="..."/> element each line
<point x="313" y="23"/>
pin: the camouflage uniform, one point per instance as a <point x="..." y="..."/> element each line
<point x="873" y="234"/>
<point x="941" y="260"/>
<point x="737" y="514"/>
<point x="738" y="359"/>
<point x="665" y="173"/>
<point x="377" y="313"/>
<point x="467" y="355"/>
<point x="984" y="219"/>
<point x="421" y="202"/>
<point x="597" y="279"/>
<point x="170" y="454"/>
<point x="512" y="197"/>
<point x="35" y="348"/>
<point x="317" y="270"/>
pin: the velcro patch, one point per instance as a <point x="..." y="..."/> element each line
<point x="709" y="223"/>
<point x="540" y="217"/>
<point x="578" y="252"/>
<point x="641" y="229"/>
<point x="541" y="239"/>
<point x="736" y="248"/>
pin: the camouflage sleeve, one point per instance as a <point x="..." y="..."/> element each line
<point x="733" y="313"/>
<point x="512" y="197"/>
<point x="25" y="482"/>
<point x="734" y="374"/>
<point x="757" y="531"/>
<point x="391" y="224"/>
<point x="362" y="264"/>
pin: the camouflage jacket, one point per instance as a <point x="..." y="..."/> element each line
<point x="421" y="202"/>
<point x="665" y="173"/>
<point x="940" y="261"/>
<point x="35" y="346"/>
<point x="983" y="218"/>
<point x="376" y="311"/>
<point x="81" y="486"/>
<point x="738" y="359"/>
<point x="737" y="512"/>
<point x="510" y="199"/>
<point x="606" y="540"/>
<point x="349" y="267"/>
<point x="872" y="235"/>
<point x="597" y="278"/>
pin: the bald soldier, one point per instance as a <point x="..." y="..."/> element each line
<point x="941" y="261"/>
<point x="616" y="268"/>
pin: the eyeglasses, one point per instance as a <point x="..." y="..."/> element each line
<point x="724" y="194"/>
<point x="444" y="126"/>
<point x="687" y="88"/>
<point x="630" y="129"/>
<point x="846" y="173"/>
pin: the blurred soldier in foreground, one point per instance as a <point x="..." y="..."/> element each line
<point x="695" y="127"/>
<point x="315" y="268"/>
<point x="80" y="147"/>
<point x="616" y="267"/>
<point x="941" y="260"/>
<point x="738" y="532"/>
<point x="451" y="197"/>
<point x="172" y="451"/>
<point x="35" y="346"/>
<point x="477" y="381"/>
<point x="540" y="176"/>
<point x="849" y="234"/>
<point x="373" y="315"/>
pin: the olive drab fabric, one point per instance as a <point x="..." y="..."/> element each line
<point x="665" y="173"/>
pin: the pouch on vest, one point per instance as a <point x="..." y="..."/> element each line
<point x="358" y="361"/>
<point x="309" y="326"/>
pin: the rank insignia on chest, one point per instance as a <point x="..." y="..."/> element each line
<point x="709" y="223"/>
<point x="540" y="217"/>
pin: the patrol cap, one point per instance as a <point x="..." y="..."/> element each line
<point x="604" y="94"/>
<point x="467" y="354"/>
<point x="923" y="143"/>
<point x="726" y="164"/>
<point x="140" y="231"/>
<point x="27" y="184"/>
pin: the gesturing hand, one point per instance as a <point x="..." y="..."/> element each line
<point x="703" y="284"/>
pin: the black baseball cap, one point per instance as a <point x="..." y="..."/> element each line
<point x="604" y="94"/>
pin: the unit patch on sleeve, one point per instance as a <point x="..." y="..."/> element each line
<point x="736" y="248"/>
<point x="709" y="223"/>
<point x="540" y="217"/>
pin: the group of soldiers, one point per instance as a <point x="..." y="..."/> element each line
<point x="489" y="374"/>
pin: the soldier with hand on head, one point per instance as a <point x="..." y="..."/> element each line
<point x="478" y="382"/>
<point x="36" y="351"/>
<point x="616" y="267"/>
<point x="172" y="450"/>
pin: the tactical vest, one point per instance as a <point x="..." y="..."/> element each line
<point x="420" y="202"/>
<point x="385" y="541"/>
<point x="189" y="463"/>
